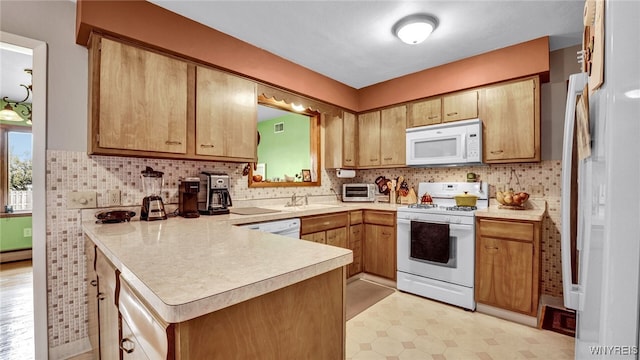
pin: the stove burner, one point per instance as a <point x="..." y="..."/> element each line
<point x="461" y="208"/>
<point x="423" y="206"/>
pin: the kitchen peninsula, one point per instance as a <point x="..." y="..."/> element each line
<point x="194" y="288"/>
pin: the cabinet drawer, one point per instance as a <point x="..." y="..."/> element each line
<point x="507" y="230"/>
<point x="311" y="224"/>
<point x="380" y="218"/>
<point x="355" y="217"/>
<point x="149" y="331"/>
<point x="131" y="349"/>
<point x="106" y="272"/>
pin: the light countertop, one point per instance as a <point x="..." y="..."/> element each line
<point x="185" y="268"/>
<point x="534" y="210"/>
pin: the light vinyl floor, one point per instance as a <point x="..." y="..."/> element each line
<point x="16" y="310"/>
<point x="405" y="326"/>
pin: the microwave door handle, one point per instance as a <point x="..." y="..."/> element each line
<point x="463" y="144"/>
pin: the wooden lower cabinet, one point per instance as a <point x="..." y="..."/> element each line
<point x="356" y="232"/>
<point x="107" y="320"/>
<point x="379" y="243"/>
<point x="508" y="264"/>
<point x="330" y="229"/>
<point x="92" y="298"/>
<point x="301" y="321"/>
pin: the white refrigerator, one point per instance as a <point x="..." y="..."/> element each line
<point x="606" y="292"/>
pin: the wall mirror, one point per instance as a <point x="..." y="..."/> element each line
<point x="288" y="145"/>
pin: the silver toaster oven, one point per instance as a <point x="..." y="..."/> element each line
<point x="359" y="192"/>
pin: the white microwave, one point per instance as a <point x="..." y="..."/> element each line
<point x="359" y="192"/>
<point x="454" y="143"/>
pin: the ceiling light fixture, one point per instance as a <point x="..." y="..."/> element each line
<point x="414" y="29"/>
<point x="10" y="110"/>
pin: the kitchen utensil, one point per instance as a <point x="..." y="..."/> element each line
<point x="114" y="216"/>
<point x="466" y="199"/>
<point x="383" y="188"/>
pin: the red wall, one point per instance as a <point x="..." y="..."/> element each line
<point x="144" y="22"/>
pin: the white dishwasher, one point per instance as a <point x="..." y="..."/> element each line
<point x="287" y="227"/>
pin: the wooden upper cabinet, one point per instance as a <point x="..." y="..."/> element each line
<point x="139" y="101"/>
<point x="393" y="127"/>
<point x="460" y="106"/>
<point x="226" y="115"/>
<point x="369" y="139"/>
<point x="349" y="139"/>
<point x="426" y="112"/>
<point x="340" y="141"/>
<point x="511" y="116"/>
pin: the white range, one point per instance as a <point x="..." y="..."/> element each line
<point x="436" y="244"/>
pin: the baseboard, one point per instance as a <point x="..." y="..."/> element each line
<point x="379" y="280"/>
<point x="507" y="315"/>
<point x="16" y="255"/>
<point x="71" y="349"/>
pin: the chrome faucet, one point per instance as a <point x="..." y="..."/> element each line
<point x="294" y="201"/>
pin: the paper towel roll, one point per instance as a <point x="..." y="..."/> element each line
<point x="344" y="173"/>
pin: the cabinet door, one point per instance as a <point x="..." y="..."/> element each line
<point x="337" y="237"/>
<point x="107" y="308"/>
<point x="142" y="100"/>
<point x="369" y="139"/>
<point x="422" y="113"/>
<point x="505" y="274"/>
<point x="92" y="297"/>
<point x="393" y="135"/>
<point x="226" y="115"/>
<point x="349" y="140"/>
<point x="511" y="122"/>
<point x="460" y="106"/>
<point x="379" y="250"/>
<point x="333" y="144"/>
<point x="355" y="245"/>
<point x="319" y="237"/>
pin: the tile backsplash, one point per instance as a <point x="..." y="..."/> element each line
<point x="76" y="171"/>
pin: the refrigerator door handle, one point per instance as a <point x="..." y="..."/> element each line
<point x="572" y="292"/>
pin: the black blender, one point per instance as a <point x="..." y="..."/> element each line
<point x="152" y="206"/>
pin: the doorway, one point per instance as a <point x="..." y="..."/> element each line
<point x="39" y="117"/>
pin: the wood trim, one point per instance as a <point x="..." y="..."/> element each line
<point x="4" y="166"/>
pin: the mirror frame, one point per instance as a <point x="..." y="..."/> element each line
<point x="314" y="145"/>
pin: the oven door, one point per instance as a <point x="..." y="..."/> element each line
<point x="459" y="269"/>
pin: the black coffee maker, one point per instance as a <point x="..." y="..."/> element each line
<point x="214" y="197"/>
<point x="188" y="190"/>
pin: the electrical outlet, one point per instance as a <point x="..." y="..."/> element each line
<point x="81" y="199"/>
<point x="113" y="197"/>
<point x="536" y="190"/>
<point x="26" y="232"/>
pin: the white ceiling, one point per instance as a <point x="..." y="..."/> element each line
<point x="351" y="41"/>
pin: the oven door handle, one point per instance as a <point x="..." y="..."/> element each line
<point x="451" y="226"/>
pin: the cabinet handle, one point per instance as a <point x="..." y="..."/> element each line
<point x="388" y="158"/>
<point x="453" y="113"/>
<point x="356" y="232"/>
<point x="94" y="282"/>
<point x="373" y="159"/>
<point x="433" y="117"/>
<point x="497" y="151"/>
<point x="347" y="160"/>
<point x="207" y="145"/>
<point x="128" y="349"/>
<point x="101" y="296"/>
<point x="386" y="234"/>
<point x="170" y="142"/>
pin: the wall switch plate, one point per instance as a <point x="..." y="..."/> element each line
<point x="81" y="199"/>
<point x="113" y="197"/>
<point x="26" y="232"/>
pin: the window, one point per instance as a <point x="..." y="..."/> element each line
<point x="16" y="168"/>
